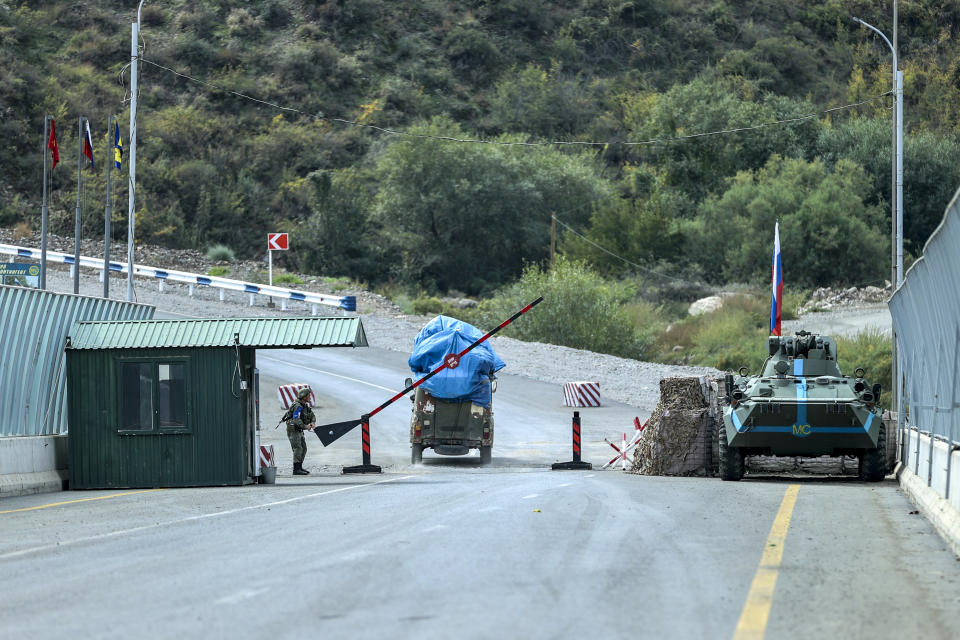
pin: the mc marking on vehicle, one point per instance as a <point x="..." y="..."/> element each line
<point x="802" y="430"/>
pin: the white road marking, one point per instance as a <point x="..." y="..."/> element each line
<point x="436" y="527"/>
<point x="532" y="495"/>
<point x="240" y="596"/>
<point x="204" y="516"/>
<point x="328" y="373"/>
<point x="565" y="484"/>
<point x="589" y="475"/>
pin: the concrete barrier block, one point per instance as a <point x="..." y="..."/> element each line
<point x="955" y="480"/>
<point x="30" y="454"/>
<point x="21" y="484"/>
<point x="11" y="484"/>
<point x="941" y="513"/>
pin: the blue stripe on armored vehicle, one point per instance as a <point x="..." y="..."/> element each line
<point x="802" y="405"/>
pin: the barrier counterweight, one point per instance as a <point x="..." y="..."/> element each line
<point x="366" y="467"/>
<point x="576" y="463"/>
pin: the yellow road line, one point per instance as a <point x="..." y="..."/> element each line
<point x="58" y="504"/>
<point x="753" y="618"/>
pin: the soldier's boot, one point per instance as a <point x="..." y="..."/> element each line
<point x="298" y="469"/>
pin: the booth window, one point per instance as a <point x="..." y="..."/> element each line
<point x="153" y="396"/>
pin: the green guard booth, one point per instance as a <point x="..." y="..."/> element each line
<point x="171" y="403"/>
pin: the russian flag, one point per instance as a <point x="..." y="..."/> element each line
<point x="88" y="144"/>
<point x="776" y="302"/>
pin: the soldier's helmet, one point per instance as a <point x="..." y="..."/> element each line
<point x="304" y="393"/>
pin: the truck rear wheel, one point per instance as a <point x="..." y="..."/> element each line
<point x="731" y="458"/>
<point x="416" y="453"/>
<point x="486" y="454"/>
<point x="873" y="462"/>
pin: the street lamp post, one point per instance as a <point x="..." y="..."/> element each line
<point x="897" y="204"/>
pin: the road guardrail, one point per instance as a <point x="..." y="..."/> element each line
<point x="347" y="303"/>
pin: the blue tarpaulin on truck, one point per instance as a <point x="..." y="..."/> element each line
<point x="471" y="379"/>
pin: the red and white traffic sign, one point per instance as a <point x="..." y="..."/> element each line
<point x="277" y="241"/>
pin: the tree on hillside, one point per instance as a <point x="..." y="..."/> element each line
<point x="467" y="216"/>
<point x="828" y="234"/>
<point x="642" y="227"/>
<point x="931" y="171"/>
<point x="700" y="165"/>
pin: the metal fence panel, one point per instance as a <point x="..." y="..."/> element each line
<point x="926" y="318"/>
<point x="34" y="325"/>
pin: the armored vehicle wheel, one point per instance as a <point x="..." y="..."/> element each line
<point x="731" y="458"/>
<point x="873" y="462"/>
<point x="486" y="454"/>
<point x="416" y="453"/>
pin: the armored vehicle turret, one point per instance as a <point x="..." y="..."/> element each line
<point x="801" y="405"/>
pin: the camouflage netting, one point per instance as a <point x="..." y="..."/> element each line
<point x="679" y="439"/>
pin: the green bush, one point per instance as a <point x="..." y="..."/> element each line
<point x="427" y="305"/>
<point x="218" y="272"/>
<point x="221" y="252"/>
<point x="728" y="338"/>
<point x="580" y="309"/>
<point x="286" y="278"/>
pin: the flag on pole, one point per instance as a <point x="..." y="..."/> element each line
<point x="776" y="303"/>
<point x="117" y="146"/>
<point x="52" y="144"/>
<point x="88" y="144"/>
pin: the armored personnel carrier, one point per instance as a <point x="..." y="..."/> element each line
<point x="801" y="405"/>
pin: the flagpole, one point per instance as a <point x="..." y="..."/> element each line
<point x="132" y="187"/>
<point x="44" y="210"/>
<point x="76" y="221"/>
<point x="106" y="213"/>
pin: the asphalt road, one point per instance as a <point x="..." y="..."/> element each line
<point x="450" y="549"/>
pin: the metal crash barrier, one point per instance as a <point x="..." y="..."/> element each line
<point x="192" y="280"/>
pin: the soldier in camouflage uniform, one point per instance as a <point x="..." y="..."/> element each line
<point x="299" y="417"/>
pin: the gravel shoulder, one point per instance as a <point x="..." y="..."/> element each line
<point x="846" y="321"/>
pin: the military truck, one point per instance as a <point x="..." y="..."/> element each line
<point x="453" y="410"/>
<point x="800" y="404"/>
<point x="450" y="427"/>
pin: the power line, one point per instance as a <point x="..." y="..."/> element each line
<point x="651" y="141"/>
<point x="618" y="257"/>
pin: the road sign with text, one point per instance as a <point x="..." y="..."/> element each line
<point x="277" y="241"/>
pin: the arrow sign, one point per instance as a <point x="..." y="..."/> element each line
<point x="329" y="433"/>
<point x="277" y="241"/>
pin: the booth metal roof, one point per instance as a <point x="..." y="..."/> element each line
<point x="261" y="333"/>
